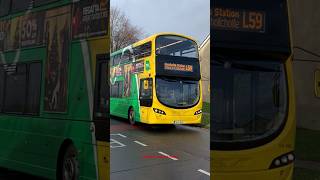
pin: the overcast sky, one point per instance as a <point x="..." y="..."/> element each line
<point x="188" y="17"/>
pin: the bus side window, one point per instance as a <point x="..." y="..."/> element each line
<point x="4" y="7"/>
<point x="146" y="92"/>
<point x="127" y="57"/>
<point x="142" y="51"/>
<point x="1" y="86"/>
<point x="317" y="82"/>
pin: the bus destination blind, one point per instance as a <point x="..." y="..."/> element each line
<point x="239" y="20"/>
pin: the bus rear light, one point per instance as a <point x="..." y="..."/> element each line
<point x="198" y="112"/>
<point x="282" y="160"/>
<point x="159" y="111"/>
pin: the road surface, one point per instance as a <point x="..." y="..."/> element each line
<point x="12" y="175"/>
<point x="152" y="153"/>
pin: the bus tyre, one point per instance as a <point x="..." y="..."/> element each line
<point x="131" y="116"/>
<point x="69" y="165"/>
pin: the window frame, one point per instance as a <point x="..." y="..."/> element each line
<point x="143" y="50"/>
<point x="38" y="3"/>
<point x="248" y="144"/>
<point x="24" y="112"/>
<point x="17" y="10"/>
<point x="317" y="83"/>
<point x="144" y="101"/>
<point x="2" y="87"/>
<point x="119" y="89"/>
<point x="6" y="7"/>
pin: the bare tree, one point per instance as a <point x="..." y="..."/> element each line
<point x="123" y="33"/>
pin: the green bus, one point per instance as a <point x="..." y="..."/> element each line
<point x="54" y="88"/>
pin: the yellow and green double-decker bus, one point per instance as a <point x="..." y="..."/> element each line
<point x="54" y="88"/>
<point x="252" y="95"/>
<point x="157" y="81"/>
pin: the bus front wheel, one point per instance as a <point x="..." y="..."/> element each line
<point x="131" y="116"/>
<point x="69" y="165"/>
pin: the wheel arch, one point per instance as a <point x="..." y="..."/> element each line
<point x="61" y="152"/>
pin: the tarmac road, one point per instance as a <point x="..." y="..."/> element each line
<point x="6" y="174"/>
<point x="151" y="153"/>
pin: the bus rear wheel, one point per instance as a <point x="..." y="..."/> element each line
<point x="131" y="116"/>
<point x="69" y="165"/>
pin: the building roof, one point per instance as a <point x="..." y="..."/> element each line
<point x="205" y="41"/>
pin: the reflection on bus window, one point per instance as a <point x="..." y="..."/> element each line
<point x="176" y="46"/>
<point x="177" y="92"/>
<point x="146" y="92"/>
<point x="250" y="99"/>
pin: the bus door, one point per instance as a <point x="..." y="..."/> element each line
<point x="145" y="97"/>
<point x="101" y="114"/>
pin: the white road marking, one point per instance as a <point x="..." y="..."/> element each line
<point x="118" y="144"/>
<point x="140" y="143"/>
<point x="204" y="172"/>
<point x="173" y="158"/>
<point x="121" y="135"/>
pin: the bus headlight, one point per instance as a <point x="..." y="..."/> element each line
<point x="159" y="111"/>
<point x="282" y="160"/>
<point x="198" y="112"/>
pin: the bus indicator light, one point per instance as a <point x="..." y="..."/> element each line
<point x="198" y="112"/>
<point x="282" y="160"/>
<point x="159" y="111"/>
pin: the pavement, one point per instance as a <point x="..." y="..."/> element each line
<point x="312" y="165"/>
<point x="145" y="152"/>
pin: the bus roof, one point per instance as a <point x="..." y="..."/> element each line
<point x="151" y="38"/>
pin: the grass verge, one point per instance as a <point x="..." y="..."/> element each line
<point x="305" y="174"/>
<point x="307" y="145"/>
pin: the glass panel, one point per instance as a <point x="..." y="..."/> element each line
<point x="250" y="99"/>
<point x="317" y="83"/>
<point x="1" y="87"/>
<point x="34" y="89"/>
<point x="4" y="7"/>
<point x="43" y="2"/>
<point x="15" y="92"/>
<point x="116" y="89"/>
<point x="20" y="5"/>
<point x="176" y="46"/>
<point x="146" y="92"/>
<point x="103" y="95"/>
<point x="145" y="89"/>
<point x="142" y="51"/>
<point x="177" y="92"/>
<point x="126" y="57"/>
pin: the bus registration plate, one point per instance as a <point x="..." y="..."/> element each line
<point x="178" y="122"/>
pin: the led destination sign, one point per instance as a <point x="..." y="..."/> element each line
<point x="178" y="67"/>
<point x="239" y="20"/>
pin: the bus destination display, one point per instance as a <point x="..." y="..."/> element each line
<point x="239" y="20"/>
<point x="178" y="67"/>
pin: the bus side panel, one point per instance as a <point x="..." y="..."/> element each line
<point x="115" y="107"/>
<point x="120" y="106"/>
<point x="79" y="109"/>
<point x="134" y="97"/>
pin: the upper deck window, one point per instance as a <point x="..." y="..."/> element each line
<point x="176" y="46"/>
<point x="21" y="5"/>
<point x="4" y="7"/>
<point x="43" y="2"/>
